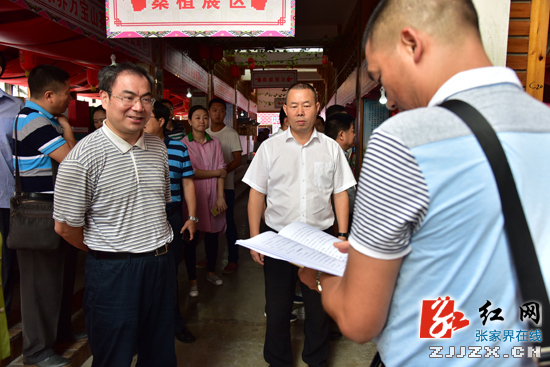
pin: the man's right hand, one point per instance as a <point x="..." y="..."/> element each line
<point x="63" y="122"/>
<point x="257" y="257"/>
<point x="223" y="173"/>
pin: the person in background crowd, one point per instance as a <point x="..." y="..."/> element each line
<point x="44" y="138"/>
<point x="180" y="171"/>
<point x="428" y="224"/>
<point x="232" y="154"/>
<point x="283" y="121"/>
<point x="320" y="124"/>
<point x="298" y="172"/>
<point x="9" y="107"/>
<point x="110" y="198"/>
<point x="175" y="129"/>
<point x="335" y="108"/>
<point x="210" y="172"/>
<point x="98" y="117"/>
<point x="262" y="136"/>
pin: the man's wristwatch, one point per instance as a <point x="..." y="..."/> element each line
<point x="342" y="234"/>
<point x="319" y="288"/>
<point x="194" y="219"/>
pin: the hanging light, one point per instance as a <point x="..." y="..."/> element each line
<point x="189" y="94"/>
<point x="383" y="99"/>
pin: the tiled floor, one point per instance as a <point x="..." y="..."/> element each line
<point x="229" y="321"/>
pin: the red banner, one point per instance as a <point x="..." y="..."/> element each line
<point x="274" y="78"/>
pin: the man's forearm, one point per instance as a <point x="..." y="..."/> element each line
<point x="341" y="208"/>
<point x="255" y="209"/>
<point x="235" y="163"/>
<point x="73" y="235"/>
<point x="190" y="196"/>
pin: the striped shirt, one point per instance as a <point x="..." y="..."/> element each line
<point x="116" y="191"/>
<point x="38" y="134"/>
<point x="180" y="166"/>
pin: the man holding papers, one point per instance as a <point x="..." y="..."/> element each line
<point x="297" y="172"/>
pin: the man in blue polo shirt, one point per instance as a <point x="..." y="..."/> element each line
<point x="180" y="169"/>
<point x="44" y="138"/>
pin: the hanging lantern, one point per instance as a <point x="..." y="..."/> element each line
<point x="235" y="72"/>
<point x="325" y="60"/>
<point x="91" y="76"/>
<point x="251" y="64"/>
<point x="217" y="53"/>
<point x="28" y="60"/>
<point x="204" y="51"/>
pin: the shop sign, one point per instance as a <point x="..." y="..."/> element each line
<point x="223" y="90"/>
<point x="273" y="78"/>
<point x="183" y="67"/>
<point x="200" y="18"/>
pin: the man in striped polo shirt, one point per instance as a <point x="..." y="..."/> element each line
<point x="44" y="138"/>
<point x="111" y="195"/>
<point x="180" y="170"/>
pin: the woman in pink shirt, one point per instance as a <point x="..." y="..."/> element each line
<point x="206" y="157"/>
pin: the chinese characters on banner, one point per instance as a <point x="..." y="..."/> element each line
<point x="223" y="90"/>
<point x="184" y="68"/>
<point x="87" y="17"/>
<point x="273" y="78"/>
<point x="253" y="107"/>
<point x="204" y="18"/>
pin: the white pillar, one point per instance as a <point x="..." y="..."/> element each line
<point x="494" y="19"/>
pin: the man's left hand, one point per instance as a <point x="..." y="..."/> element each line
<point x="309" y="277"/>
<point x="191" y="227"/>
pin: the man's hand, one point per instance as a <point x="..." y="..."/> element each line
<point x="309" y="277"/>
<point x="342" y="246"/>
<point x="221" y="205"/>
<point x="222" y="173"/>
<point x="63" y="122"/>
<point x="191" y="227"/>
<point x="257" y="257"/>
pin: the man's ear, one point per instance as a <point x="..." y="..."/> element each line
<point x="341" y="134"/>
<point x="48" y="95"/>
<point x="161" y="121"/>
<point x="104" y="97"/>
<point x="284" y="108"/>
<point x="412" y="42"/>
<point x="317" y="107"/>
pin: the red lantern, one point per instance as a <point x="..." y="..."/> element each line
<point x="235" y="72"/>
<point x="204" y="51"/>
<point x="251" y="64"/>
<point x="91" y="76"/>
<point x="325" y="60"/>
<point x="28" y="60"/>
<point x="217" y="53"/>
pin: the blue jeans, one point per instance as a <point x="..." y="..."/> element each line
<point x="129" y="307"/>
<point x="231" y="232"/>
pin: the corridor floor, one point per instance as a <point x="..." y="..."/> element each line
<point x="229" y="321"/>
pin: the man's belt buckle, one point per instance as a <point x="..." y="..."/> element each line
<point x="161" y="250"/>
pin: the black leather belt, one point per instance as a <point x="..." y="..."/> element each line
<point x="39" y="196"/>
<point x="104" y="255"/>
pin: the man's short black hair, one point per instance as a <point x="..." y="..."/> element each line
<point x="282" y="116"/>
<point x="108" y="75"/>
<point x="335" y="108"/>
<point x="215" y="100"/>
<point x="46" y="77"/>
<point x="166" y="101"/>
<point x="301" y="85"/>
<point x="338" y="122"/>
<point x="320" y="117"/>
<point x="161" y="111"/>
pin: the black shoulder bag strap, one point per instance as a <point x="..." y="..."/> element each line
<point x="521" y="243"/>
<point x="55" y="164"/>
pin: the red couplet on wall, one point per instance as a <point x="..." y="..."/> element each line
<point x="79" y="116"/>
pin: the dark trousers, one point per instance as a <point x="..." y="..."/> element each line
<point x="129" y="308"/>
<point x="280" y="283"/>
<point x="175" y="250"/>
<point x="47" y="287"/>
<point x="231" y="232"/>
<point x="9" y="259"/>
<point x="190" y="253"/>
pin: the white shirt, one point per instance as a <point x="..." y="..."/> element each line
<point x="231" y="142"/>
<point x="299" y="180"/>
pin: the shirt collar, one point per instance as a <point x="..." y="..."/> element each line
<point x="474" y="78"/>
<point x="314" y="135"/>
<point x="120" y="143"/>
<point x="190" y="136"/>
<point x="34" y="106"/>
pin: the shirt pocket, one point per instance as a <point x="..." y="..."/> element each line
<point x="323" y="174"/>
